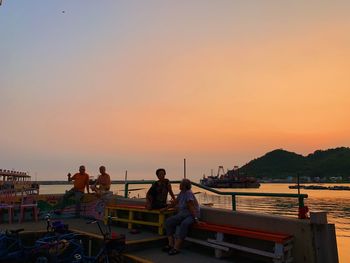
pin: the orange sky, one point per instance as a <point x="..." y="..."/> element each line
<point x="136" y="87"/>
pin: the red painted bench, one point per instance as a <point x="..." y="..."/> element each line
<point x="112" y="210"/>
<point x="279" y="252"/>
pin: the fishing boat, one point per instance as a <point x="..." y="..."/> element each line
<point x="230" y="179"/>
<point x="17" y="183"/>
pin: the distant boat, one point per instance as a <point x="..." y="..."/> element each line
<point x="315" y="187"/>
<point x="17" y="183"/>
<point x="320" y="187"/>
<point x="231" y="179"/>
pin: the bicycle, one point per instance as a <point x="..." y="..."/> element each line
<point x="11" y="248"/>
<point x="58" y="251"/>
<point x="58" y="245"/>
<point x="112" y="247"/>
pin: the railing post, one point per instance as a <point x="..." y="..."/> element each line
<point x="233" y="202"/>
<point x="126" y="190"/>
<point x="301" y="201"/>
<point x="303" y="210"/>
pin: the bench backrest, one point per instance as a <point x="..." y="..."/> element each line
<point x="127" y="206"/>
<point x="250" y="233"/>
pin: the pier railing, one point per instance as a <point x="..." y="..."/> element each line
<point x="300" y="197"/>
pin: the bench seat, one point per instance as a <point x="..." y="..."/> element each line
<point x="113" y="209"/>
<point x="281" y="243"/>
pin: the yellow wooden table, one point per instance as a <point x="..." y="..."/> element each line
<point x="112" y="211"/>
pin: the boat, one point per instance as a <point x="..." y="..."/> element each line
<point x="17" y="183"/>
<point x="230" y="179"/>
<point x="319" y="187"/>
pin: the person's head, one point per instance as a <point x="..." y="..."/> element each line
<point x="102" y="169"/>
<point x="161" y="173"/>
<point x="185" y="185"/>
<point x="82" y="169"/>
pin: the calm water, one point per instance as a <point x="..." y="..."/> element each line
<point x="335" y="203"/>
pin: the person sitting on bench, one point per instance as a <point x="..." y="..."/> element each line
<point x="188" y="213"/>
<point x="81" y="181"/>
<point x="103" y="182"/>
<point x="157" y="195"/>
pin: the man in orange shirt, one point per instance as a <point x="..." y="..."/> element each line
<point x="81" y="181"/>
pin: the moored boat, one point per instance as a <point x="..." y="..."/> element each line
<point x="230" y="179"/>
<point x="17" y="183"/>
<point x="320" y="187"/>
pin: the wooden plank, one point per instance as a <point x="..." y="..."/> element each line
<point x="136" y="222"/>
<point x="135" y="210"/>
<point x="126" y="206"/>
<point x="161" y="219"/>
<point x="139" y="209"/>
<point x="243" y="248"/>
<point x="218" y="252"/>
<point x="204" y="243"/>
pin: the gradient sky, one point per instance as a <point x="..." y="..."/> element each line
<point x="137" y="85"/>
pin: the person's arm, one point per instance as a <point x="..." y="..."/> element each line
<point x="97" y="181"/>
<point x="109" y="181"/>
<point x="148" y="194"/>
<point x="171" y="205"/>
<point x="192" y="208"/>
<point x="171" y="192"/>
<point x="87" y="184"/>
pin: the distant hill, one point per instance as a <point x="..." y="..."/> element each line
<point x="280" y="164"/>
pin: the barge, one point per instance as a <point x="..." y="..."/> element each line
<point x="230" y="179"/>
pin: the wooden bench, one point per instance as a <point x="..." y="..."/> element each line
<point x="280" y="250"/>
<point x="113" y="211"/>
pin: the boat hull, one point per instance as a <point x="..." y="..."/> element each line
<point x="231" y="185"/>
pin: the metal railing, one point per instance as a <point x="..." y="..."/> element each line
<point x="300" y="197"/>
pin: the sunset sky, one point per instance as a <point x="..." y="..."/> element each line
<point x="137" y="85"/>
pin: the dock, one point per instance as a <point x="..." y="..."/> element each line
<point x="143" y="247"/>
<point x="227" y="236"/>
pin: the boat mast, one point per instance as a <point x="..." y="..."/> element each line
<point x="221" y="168"/>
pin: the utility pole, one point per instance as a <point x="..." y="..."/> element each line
<point x="298" y="183"/>
<point x="185" y="168"/>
